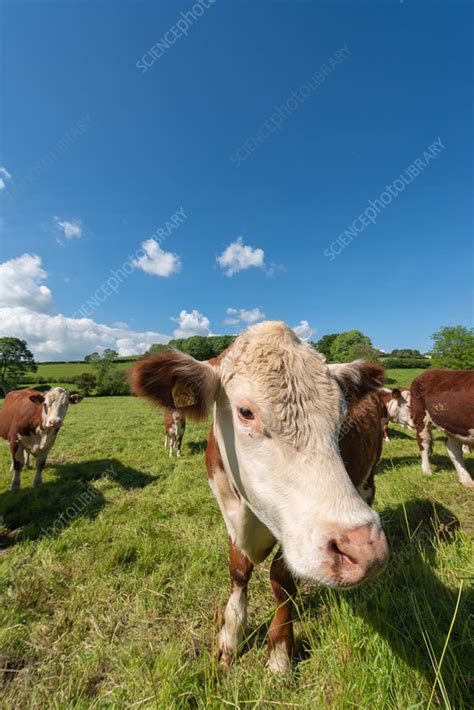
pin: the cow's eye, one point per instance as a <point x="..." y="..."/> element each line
<point x="246" y="413"/>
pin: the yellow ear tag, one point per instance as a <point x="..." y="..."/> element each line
<point x="183" y="396"/>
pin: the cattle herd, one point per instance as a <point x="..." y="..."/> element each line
<point x="291" y="456"/>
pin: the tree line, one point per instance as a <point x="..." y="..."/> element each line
<point x="453" y="348"/>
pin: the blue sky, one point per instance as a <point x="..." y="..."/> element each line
<point x="386" y="80"/>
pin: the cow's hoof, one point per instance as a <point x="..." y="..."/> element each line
<point x="468" y="484"/>
<point x="427" y="473"/>
<point x="15" y="489"/>
<point x="279" y="660"/>
<point x="225" y="660"/>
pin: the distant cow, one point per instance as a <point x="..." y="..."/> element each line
<point x="30" y="421"/>
<point x="175" y="425"/>
<point x="444" y="398"/>
<point x="277" y="468"/>
<point x="397" y="408"/>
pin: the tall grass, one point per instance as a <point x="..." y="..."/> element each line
<point x="112" y="574"/>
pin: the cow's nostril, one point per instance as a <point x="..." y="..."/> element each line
<point x="340" y="555"/>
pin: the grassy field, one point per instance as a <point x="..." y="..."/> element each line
<point x="57" y="370"/>
<point x="112" y="572"/>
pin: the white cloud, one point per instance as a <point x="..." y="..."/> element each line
<point x="20" y="283"/>
<point x="193" y="323"/>
<point x="156" y="261"/>
<point x="57" y="337"/>
<point x="4" y="174"/>
<point x="243" y="316"/>
<point x="71" y="229"/>
<point x="304" y="330"/>
<point x="24" y="306"/>
<point x="238" y="256"/>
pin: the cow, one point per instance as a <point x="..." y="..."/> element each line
<point x="397" y="408"/>
<point x="276" y="468"/>
<point x="30" y="421"/>
<point x="175" y="425"/>
<point x="445" y="399"/>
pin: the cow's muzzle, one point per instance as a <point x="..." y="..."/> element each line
<point x="54" y="424"/>
<point x="357" y="555"/>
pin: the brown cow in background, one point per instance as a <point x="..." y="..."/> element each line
<point x="445" y="399"/>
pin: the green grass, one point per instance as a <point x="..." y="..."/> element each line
<point x="56" y="370"/>
<point x="113" y="604"/>
<point x="401" y="377"/>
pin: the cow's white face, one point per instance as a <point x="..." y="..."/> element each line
<point x="398" y="408"/>
<point x="55" y="403"/>
<point x="278" y="411"/>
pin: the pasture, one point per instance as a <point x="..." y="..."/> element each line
<point x="113" y="572"/>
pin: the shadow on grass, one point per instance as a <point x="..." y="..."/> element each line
<point x="390" y="463"/>
<point x="45" y="511"/>
<point x="112" y="469"/>
<point x="197" y="447"/>
<point x="398" y="434"/>
<point x="412" y="609"/>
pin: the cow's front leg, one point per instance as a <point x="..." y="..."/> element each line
<point x="18" y="459"/>
<point x="40" y="464"/>
<point x="455" y="454"/>
<point x="235" y="615"/>
<point x="280" y="635"/>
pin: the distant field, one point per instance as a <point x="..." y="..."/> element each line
<point x="69" y="369"/>
<point x="112" y="572"/>
<point x="401" y="377"/>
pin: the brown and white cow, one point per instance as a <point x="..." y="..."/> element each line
<point x="275" y="465"/>
<point x="397" y="408"/>
<point x="30" y="421"/>
<point x="445" y="399"/>
<point x="175" y="425"/>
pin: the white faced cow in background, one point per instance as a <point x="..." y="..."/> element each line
<point x="30" y="421"/>
<point x="175" y="425"/>
<point x="397" y="404"/>
<point x="444" y="398"/>
<point x="275" y="465"/>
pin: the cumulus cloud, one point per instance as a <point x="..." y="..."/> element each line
<point x="72" y="229"/>
<point x="24" y="305"/>
<point x="194" y="323"/>
<point x="241" y="315"/>
<point x="304" y="330"/>
<point x="4" y="175"/>
<point x="20" y="283"/>
<point x="238" y="256"/>
<point x="156" y="261"/>
<point x="57" y="337"/>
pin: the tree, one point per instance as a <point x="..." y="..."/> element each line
<point x="109" y="354"/>
<point x="351" y="345"/>
<point x="92" y="358"/>
<point x="112" y="381"/>
<point x="323" y="345"/>
<point x="157" y="348"/>
<point x="86" y="382"/>
<point x="406" y="352"/>
<point x="15" y="361"/>
<point x="454" y="347"/>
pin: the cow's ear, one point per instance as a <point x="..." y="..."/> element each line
<point x="397" y="393"/>
<point x="358" y="378"/>
<point x="37" y="398"/>
<point x="177" y="381"/>
<point x="75" y="398"/>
